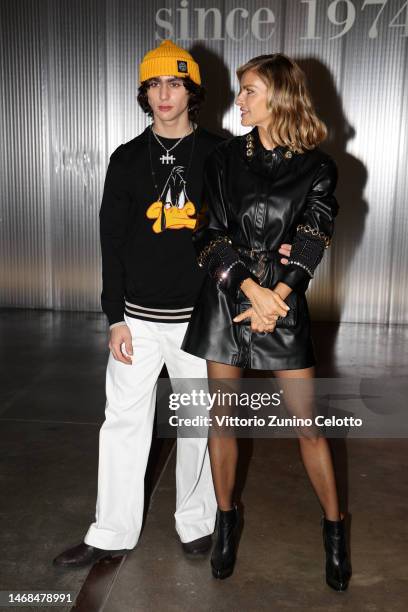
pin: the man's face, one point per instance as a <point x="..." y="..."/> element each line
<point x="168" y="98"/>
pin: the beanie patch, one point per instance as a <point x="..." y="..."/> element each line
<point x="182" y="66"/>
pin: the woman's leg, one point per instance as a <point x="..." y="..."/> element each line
<point x="223" y="449"/>
<point x="314" y="449"/>
<point x="317" y="460"/>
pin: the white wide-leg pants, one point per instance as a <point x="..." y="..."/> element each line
<point x="125" y="440"/>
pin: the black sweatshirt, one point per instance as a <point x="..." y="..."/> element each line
<point x="149" y="266"/>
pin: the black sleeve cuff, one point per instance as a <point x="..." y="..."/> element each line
<point x="295" y="277"/>
<point x="230" y="279"/>
<point x="223" y="264"/>
<point x="306" y="254"/>
<point x="115" y="311"/>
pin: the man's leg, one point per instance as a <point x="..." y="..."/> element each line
<point x="125" y="440"/>
<point x="196" y="505"/>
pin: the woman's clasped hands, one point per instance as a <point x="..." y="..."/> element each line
<point x="266" y="306"/>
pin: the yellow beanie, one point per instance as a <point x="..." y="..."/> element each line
<point x="169" y="59"/>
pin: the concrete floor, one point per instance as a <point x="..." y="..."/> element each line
<point x="280" y="558"/>
<point x="51" y="407"/>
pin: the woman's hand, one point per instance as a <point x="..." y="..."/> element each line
<point x="256" y="322"/>
<point x="267" y="303"/>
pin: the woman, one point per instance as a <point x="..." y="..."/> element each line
<point x="272" y="186"/>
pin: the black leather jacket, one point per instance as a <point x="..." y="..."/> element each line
<point x="256" y="200"/>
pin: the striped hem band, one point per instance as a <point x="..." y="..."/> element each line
<point x="159" y="315"/>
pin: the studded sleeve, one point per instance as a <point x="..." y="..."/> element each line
<point x="214" y="249"/>
<point x="314" y="228"/>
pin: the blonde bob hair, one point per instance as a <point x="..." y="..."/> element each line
<point x="294" y="122"/>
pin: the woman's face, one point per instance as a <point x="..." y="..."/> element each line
<point x="252" y="100"/>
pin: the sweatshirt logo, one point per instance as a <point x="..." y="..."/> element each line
<point x="174" y="209"/>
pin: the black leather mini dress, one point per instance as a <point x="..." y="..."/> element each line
<point x="254" y="200"/>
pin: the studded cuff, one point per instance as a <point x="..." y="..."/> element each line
<point x="308" y="230"/>
<point x="213" y="249"/>
<point x="307" y="251"/>
<point x="223" y="264"/>
<point x="308" y="248"/>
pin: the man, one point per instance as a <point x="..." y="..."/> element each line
<point x="150" y="283"/>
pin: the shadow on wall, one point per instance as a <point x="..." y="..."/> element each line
<point x="215" y="77"/>
<point x="353" y="209"/>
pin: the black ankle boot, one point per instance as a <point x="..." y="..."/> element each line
<point x="338" y="568"/>
<point x="224" y="552"/>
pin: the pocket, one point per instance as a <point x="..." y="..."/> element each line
<point x="292" y="316"/>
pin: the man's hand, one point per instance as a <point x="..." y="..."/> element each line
<point x="285" y="249"/>
<point x="119" y="335"/>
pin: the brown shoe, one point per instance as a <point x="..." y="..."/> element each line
<point x="83" y="555"/>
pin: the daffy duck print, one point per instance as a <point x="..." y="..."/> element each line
<point x="173" y="210"/>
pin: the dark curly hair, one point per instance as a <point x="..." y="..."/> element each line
<point x="196" y="97"/>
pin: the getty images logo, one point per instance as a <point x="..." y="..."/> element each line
<point x="212" y="24"/>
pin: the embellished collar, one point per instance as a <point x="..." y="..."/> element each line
<point x="261" y="159"/>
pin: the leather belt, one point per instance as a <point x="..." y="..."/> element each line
<point x="256" y="253"/>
